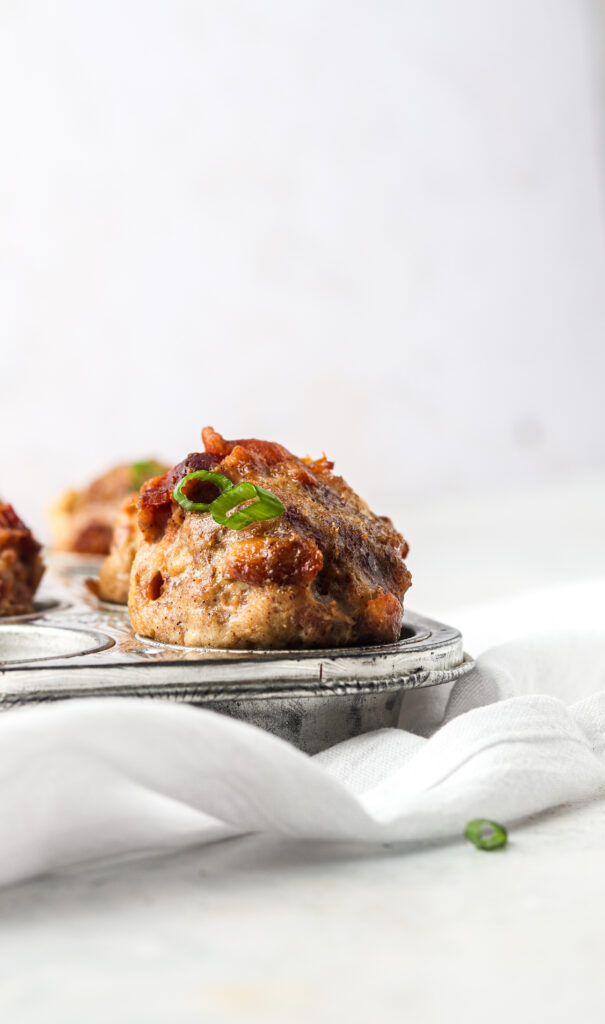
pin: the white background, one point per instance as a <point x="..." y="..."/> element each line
<point x="370" y="228"/>
<point x="374" y="228"/>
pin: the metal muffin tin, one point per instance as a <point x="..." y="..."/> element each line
<point x="77" y="646"/>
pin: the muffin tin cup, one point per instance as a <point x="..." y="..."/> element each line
<point x="22" y="644"/>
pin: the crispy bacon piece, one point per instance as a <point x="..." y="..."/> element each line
<point x="158" y="490"/>
<point x="382" y="616"/>
<point x="270" y="452"/>
<point x="155" y="497"/>
<point x="9" y="520"/>
<point x="322" y="465"/>
<point x="15" y="533"/>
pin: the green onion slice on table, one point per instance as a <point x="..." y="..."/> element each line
<point x="486" y="835"/>
<point x="266" y="506"/>
<point x="222" y="483"/>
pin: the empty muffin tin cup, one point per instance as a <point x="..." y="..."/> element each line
<point x="23" y="644"/>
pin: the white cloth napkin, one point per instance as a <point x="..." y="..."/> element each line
<point x="524" y="731"/>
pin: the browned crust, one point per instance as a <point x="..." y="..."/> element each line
<point x="260" y="560"/>
<point x="326" y="572"/>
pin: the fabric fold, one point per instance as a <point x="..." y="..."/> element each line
<point x="96" y="777"/>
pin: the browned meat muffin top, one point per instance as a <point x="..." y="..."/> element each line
<point x="21" y="567"/>
<point x="325" y="572"/>
<point x="83" y="521"/>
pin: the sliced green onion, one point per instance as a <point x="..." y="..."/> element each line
<point x="221" y="482"/>
<point x="142" y="471"/>
<point x="486" y="835"/>
<point x="267" y="506"/>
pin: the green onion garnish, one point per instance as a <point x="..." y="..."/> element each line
<point x="486" y="835"/>
<point x="221" y="482"/>
<point x="142" y="471"/>
<point x="267" y="506"/>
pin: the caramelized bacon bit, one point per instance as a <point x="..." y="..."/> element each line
<point x="14" y="532"/>
<point x="158" y="495"/>
<point x="239" y="463"/>
<point x="215" y="442"/>
<point x="285" y="560"/>
<point x="155" y="497"/>
<point x="9" y="520"/>
<point x="152" y="520"/>
<point x="323" y="465"/>
<point x="296" y="471"/>
<point x="382" y="615"/>
<point x="158" y="490"/>
<point x="268" y="451"/>
<point x="21" y="567"/>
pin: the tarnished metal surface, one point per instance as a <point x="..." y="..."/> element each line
<point x="78" y="646"/>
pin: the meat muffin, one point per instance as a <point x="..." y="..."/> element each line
<point x="83" y="521"/>
<point x="324" y="571"/>
<point x="114" y="574"/>
<point x="21" y="567"/>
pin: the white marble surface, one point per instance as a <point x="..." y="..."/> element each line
<point x="261" y="930"/>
